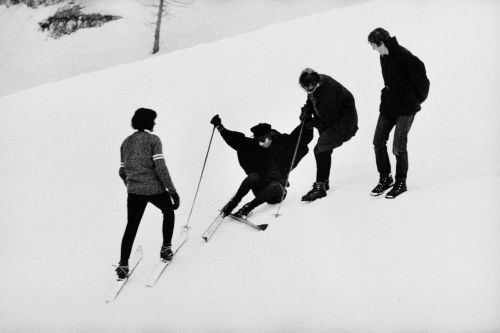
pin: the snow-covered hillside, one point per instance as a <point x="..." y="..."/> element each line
<point x="425" y="262"/>
<point x="29" y="58"/>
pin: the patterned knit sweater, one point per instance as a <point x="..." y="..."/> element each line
<point x="143" y="167"/>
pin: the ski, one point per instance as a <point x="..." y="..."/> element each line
<point x="260" y="227"/>
<point x="161" y="265"/>
<point x="120" y="283"/>
<point x="209" y="232"/>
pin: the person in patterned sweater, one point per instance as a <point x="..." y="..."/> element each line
<point x="147" y="179"/>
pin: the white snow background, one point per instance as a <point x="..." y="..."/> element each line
<point x="427" y="261"/>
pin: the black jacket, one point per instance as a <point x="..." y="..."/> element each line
<point x="333" y="113"/>
<point x="405" y="79"/>
<point x="274" y="162"/>
<point x="281" y="153"/>
<point x="250" y="155"/>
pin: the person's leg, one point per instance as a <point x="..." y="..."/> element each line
<point x="136" y="204"/>
<point x="380" y="138"/>
<point x="252" y="182"/>
<point x="164" y="203"/>
<point x="272" y="193"/>
<point x="323" y="165"/>
<point x="399" y="148"/>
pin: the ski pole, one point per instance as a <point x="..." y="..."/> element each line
<point x="201" y="176"/>
<point x="290" y="170"/>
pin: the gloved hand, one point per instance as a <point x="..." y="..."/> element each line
<point x="305" y="113"/>
<point x="175" y="200"/>
<point x="216" y="121"/>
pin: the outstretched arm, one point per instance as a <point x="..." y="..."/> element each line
<point x="235" y="140"/>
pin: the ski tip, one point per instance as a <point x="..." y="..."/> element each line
<point x="263" y="227"/>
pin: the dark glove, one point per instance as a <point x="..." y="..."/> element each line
<point x="305" y="113"/>
<point x="216" y="121"/>
<point x="176" y="201"/>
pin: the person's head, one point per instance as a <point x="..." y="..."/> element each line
<point x="263" y="134"/>
<point x="309" y="80"/>
<point x="378" y="40"/>
<point x="144" y="119"/>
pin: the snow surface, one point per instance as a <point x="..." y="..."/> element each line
<point x="29" y="58"/>
<point x="425" y="262"/>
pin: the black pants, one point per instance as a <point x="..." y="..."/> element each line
<point x="323" y="165"/>
<point x="264" y="190"/>
<point x="136" y="205"/>
<point x="384" y="126"/>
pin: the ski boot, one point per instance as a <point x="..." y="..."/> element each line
<point x="166" y="253"/>
<point x="244" y="211"/>
<point x="228" y="208"/>
<point x="399" y="188"/>
<point x="318" y="191"/>
<point x="385" y="182"/>
<point x="122" y="271"/>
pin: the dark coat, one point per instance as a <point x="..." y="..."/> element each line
<point x="333" y="113"/>
<point x="273" y="163"/>
<point x="251" y="156"/>
<point x="281" y="153"/>
<point x="405" y="80"/>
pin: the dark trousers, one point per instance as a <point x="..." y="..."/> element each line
<point x="136" y="205"/>
<point x="384" y="126"/>
<point x="264" y="190"/>
<point x="323" y="165"/>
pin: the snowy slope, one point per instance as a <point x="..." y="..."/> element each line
<point x="29" y="58"/>
<point x="426" y="262"/>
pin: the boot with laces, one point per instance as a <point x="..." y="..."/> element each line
<point x="122" y="271"/>
<point x="385" y="182"/>
<point x="228" y="208"/>
<point x="166" y="253"/>
<point x="318" y="191"/>
<point x="397" y="189"/>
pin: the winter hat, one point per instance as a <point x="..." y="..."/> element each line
<point x="260" y="130"/>
<point x="143" y="119"/>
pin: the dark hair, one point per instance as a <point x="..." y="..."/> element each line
<point x="378" y="36"/>
<point x="308" y="76"/>
<point x="144" y="119"/>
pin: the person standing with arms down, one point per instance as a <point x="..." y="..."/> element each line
<point x="146" y="176"/>
<point x="331" y="109"/>
<point x="406" y="87"/>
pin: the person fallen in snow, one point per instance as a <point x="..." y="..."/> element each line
<point x="331" y="109"/>
<point x="406" y="87"/>
<point x="266" y="159"/>
<point x="146" y="176"/>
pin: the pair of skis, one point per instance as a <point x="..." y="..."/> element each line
<point x="161" y="265"/>
<point x="156" y="273"/>
<point x="212" y="228"/>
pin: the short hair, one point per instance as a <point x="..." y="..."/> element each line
<point x="378" y="36"/>
<point x="309" y="76"/>
<point x="143" y="119"/>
